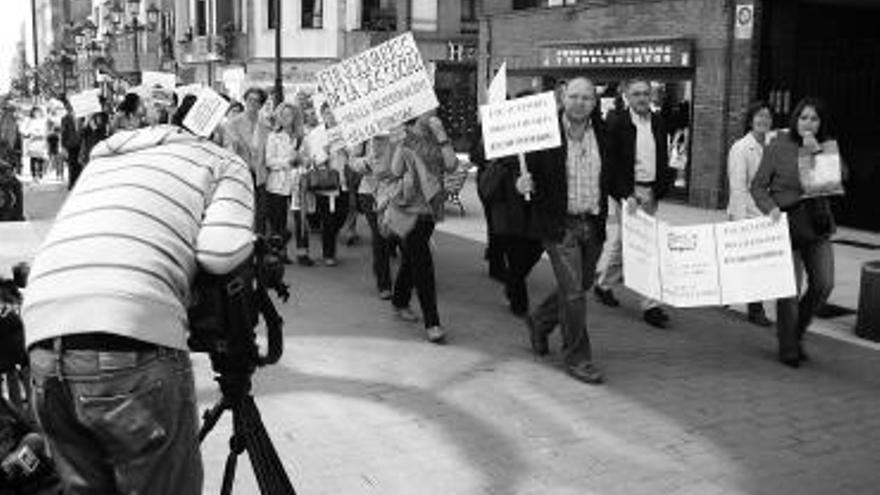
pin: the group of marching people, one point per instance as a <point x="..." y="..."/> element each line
<point x="308" y="179"/>
<point x="569" y="201"/>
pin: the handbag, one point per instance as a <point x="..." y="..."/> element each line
<point x="322" y="179"/>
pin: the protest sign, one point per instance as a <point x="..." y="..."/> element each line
<point x="755" y="261"/>
<point x="86" y="102"/>
<point x="709" y="264"/>
<point x="821" y="173"/>
<point x="641" y="261"/>
<point x="164" y="80"/>
<point x="378" y="89"/>
<point x="206" y="113"/>
<point x="522" y="125"/>
<point x="688" y="265"/>
<point x="498" y="87"/>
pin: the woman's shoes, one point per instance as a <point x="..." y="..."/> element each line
<point x="406" y="314"/>
<point x="436" y="335"/>
<point x="330" y="262"/>
<point x="791" y="362"/>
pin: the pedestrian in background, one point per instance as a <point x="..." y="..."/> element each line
<point x="777" y="188"/>
<point x="494" y="252"/>
<point x="422" y="158"/>
<point x="569" y="191"/>
<point x="282" y="155"/>
<point x="10" y="138"/>
<point x="742" y="165"/>
<point x="638" y="151"/>
<point x="35" y="133"/>
<point x="93" y="132"/>
<point x="71" y="140"/>
<point x="246" y="134"/>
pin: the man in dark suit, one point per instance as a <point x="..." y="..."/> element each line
<point x="570" y="185"/>
<point x="638" y="151"/>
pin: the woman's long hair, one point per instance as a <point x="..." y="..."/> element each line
<point x="753" y="110"/>
<point x="821" y="110"/>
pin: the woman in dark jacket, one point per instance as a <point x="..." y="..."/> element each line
<point x="511" y="224"/>
<point x="777" y="188"/>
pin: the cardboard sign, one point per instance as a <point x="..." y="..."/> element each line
<point x="86" y="103"/>
<point x="520" y="126"/>
<point x="710" y="264"/>
<point x="821" y="174"/>
<point x="206" y="113"/>
<point x="164" y="80"/>
<point x="378" y="89"/>
<point x="497" y="92"/>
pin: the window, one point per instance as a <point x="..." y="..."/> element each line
<point x="271" y="12"/>
<point x="312" y="14"/>
<point x="201" y="18"/>
<point x="524" y="4"/>
<point x="423" y="15"/>
<point x="468" y="10"/>
<point x="379" y="15"/>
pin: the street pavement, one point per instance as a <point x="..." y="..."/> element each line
<point x="361" y="404"/>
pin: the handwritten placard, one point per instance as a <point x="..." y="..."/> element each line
<point x="378" y="89"/>
<point x="86" y="102"/>
<point x="206" y="113"/>
<point x="522" y="125"/>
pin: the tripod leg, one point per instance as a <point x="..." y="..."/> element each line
<point x="236" y="447"/>
<point x="211" y="416"/>
<point x="268" y="468"/>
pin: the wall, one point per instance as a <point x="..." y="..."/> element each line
<point x="512" y="34"/>
<point x="297" y="42"/>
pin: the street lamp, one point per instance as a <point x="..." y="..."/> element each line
<point x="134" y="27"/>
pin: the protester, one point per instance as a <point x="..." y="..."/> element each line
<point x="10" y="138"/>
<point x="375" y="163"/>
<point x="742" y="165"/>
<point x="282" y="155"/>
<point x="246" y="134"/>
<point x="568" y="188"/>
<point x="11" y="194"/>
<point x="638" y="151"/>
<point x="494" y="253"/>
<point x="114" y="389"/>
<point x="35" y="133"/>
<point x="325" y="179"/>
<point x="777" y="188"/>
<point x="71" y="140"/>
<point x="93" y="132"/>
<point x="411" y="208"/>
<point x="53" y="150"/>
<point x="130" y="114"/>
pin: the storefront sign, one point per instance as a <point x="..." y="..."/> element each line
<point x="708" y="264"/>
<point x="378" y="89"/>
<point x="655" y="54"/>
<point x="745" y="21"/>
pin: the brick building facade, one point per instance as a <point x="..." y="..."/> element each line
<point x="720" y="74"/>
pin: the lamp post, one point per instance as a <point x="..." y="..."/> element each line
<point x="135" y="26"/>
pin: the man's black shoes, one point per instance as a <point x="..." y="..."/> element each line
<point x="540" y="346"/>
<point x="585" y="372"/>
<point x="606" y="297"/>
<point x="656" y="317"/>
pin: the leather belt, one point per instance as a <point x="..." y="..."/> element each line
<point x="95" y="341"/>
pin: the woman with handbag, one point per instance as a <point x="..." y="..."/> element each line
<point x="282" y="155"/>
<point x="742" y="165"/>
<point x="422" y="158"/>
<point x="781" y="185"/>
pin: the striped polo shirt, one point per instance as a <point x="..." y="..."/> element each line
<point x="152" y="206"/>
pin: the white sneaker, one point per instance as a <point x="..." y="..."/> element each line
<point x="436" y="335"/>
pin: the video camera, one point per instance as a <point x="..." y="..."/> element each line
<point x="225" y="311"/>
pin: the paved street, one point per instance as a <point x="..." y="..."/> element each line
<point x="361" y="404"/>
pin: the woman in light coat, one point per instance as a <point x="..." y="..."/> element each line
<point x="742" y="165"/>
<point x="282" y="154"/>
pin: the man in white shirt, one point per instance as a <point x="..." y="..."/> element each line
<point x="638" y="150"/>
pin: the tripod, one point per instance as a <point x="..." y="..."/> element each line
<point x="248" y="434"/>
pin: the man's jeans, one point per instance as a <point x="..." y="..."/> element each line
<point x="574" y="264"/>
<point x="119" y="422"/>
<point x="793" y="315"/>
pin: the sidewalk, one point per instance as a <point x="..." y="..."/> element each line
<point x="847" y="257"/>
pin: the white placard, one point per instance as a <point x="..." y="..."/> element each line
<point x="641" y="263"/>
<point x="164" y="80"/>
<point x="709" y="264"/>
<point x="378" y="89"/>
<point x="688" y="265"/>
<point x="497" y="92"/>
<point x="86" y="102"/>
<point x="521" y="125"/>
<point x="206" y="113"/>
<point x="755" y="260"/>
<point x="745" y="21"/>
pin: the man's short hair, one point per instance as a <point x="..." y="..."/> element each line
<point x="580" y="78"/>
<point x="636" y="80"/>
<point x="260" y="92"/>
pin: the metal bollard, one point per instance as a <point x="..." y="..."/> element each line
<point x="868" y="321"/>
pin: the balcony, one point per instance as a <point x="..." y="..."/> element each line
<point x="198" y="51"/>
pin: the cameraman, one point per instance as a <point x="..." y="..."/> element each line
<point x="105" y="312"/>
